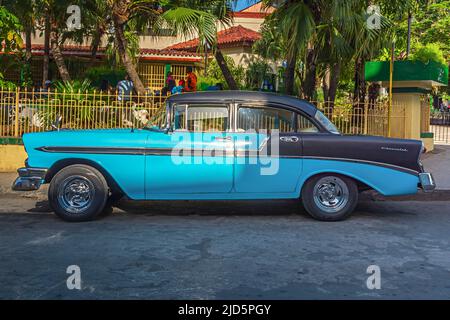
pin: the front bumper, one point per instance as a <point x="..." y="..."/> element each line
<point x="427" y="182"/>
<point x="29" y="179"/>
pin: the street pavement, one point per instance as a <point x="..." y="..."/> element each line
<point x="230" y="250"/>
<point x="438" y="163"/>
<point x="226" y="250"/>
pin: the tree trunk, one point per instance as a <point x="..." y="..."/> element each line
<point x="334" y="81"/>
<point x="408" y="40"/>
<point x="289" y="74"/>
<point x="96" y="41"/>
<point x="58" y="56"/>
<point x="28" y="53"/>
<point x="232" y="85"/>
<point x="125" y="58"/>
<point x="309" y="83"/>
<point x="359" y="94"/>
<point x="46" y="61"/>
<point x="326" y="84"/>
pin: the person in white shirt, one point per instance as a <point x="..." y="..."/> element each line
<point x="125" y="88"/>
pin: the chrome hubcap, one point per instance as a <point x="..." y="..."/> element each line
<point x="331" y="194"/>
<point x="76" y="194"/>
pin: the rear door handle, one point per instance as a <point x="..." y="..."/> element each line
<point x="291" y="139"/>
<point x="222" y="138"/>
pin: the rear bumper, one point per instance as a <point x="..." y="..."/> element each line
<point x="29" y="179"/>
<point x="427" y="183"/>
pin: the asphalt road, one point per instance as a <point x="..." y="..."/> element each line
<point x="226" y="250"/>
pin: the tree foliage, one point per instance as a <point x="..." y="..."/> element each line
<point x="10" y="28"/>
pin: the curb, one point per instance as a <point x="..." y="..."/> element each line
<point x="436" y="195"/>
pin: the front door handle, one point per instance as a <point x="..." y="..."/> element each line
<point x="291" y="139"/>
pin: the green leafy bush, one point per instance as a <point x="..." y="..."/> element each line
<point x="429" y="52"/>
<point x="203" y="82"/>
<point x="74" y="88"/>
<point x="257" y="71"/>
<point x="214" y="73"/>
<point x="96" y="75"/>
<point x="6" y="85"/>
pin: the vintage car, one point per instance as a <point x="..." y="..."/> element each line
<point x="229" y="145"/>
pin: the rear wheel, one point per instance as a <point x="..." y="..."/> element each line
<point x="330" y="197"/>
<point x="78" y="193"/>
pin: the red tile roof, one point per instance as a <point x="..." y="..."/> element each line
<point x="237" y="35"/>
<point x="146" y="54"/>
<point x="250" y="15"/>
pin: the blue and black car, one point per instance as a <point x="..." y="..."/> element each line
<point x="221" y="145"/>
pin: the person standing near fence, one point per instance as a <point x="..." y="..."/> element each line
<point x="124" y="89"/>
<point x="191" y="80"/>
<point x="178" y="89"/>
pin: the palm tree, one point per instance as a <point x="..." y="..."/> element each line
<point x="98" y="24"/>
<point x="192" y="18"/>
<point x="56" y="33"/>
<point x="332" y="41"/>
<point x="296" y="20"/>
<point x="123" y="13"/>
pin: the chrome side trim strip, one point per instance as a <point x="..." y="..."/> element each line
<point x="200" y="152"/>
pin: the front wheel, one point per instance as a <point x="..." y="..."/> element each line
<point x="78" y="193"/>
<point x="330" y="197"/>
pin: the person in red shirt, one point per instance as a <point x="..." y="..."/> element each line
<point x="191" y="81"/>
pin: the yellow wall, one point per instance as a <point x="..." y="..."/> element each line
<point x="12" y="157"/>
<point x="412" y="113"/>
<point x="429" y="143"/>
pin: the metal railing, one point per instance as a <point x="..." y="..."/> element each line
<point x="23" y="111"/>
<point x="440" y="126"/>
<point x="367" y="118"/>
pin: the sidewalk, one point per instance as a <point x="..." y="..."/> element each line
<point x="6" y="181"/>
<point x="438" y="163"/>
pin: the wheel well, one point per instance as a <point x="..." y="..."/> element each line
<point x="361" y="185"/>
<point x="61" y="164"/>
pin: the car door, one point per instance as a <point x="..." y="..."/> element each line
<point x="268" y="148"/>
<point x="198" y="153"/>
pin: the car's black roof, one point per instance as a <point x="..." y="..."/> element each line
<point x="244" y="96"/>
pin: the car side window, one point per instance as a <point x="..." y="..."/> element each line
<point x="201" y="118"/>
<point x="179" y="117"/>
<point x="304" y="125"/>
<point x="265" y="118"/>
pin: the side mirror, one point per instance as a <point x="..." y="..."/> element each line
<point x="57" y="123"/>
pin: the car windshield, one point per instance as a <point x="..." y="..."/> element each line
<point x="326" y="122"/>
<point x="157" y="120"/>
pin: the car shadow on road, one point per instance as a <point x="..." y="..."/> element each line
<point x="365" y="208"/>
<point x="213" y="208"/>
<point x="40" y="207"/>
